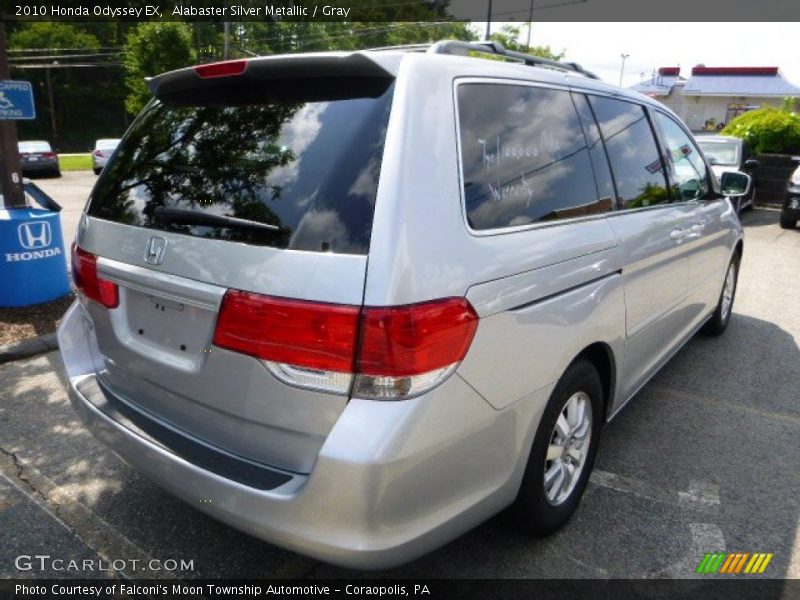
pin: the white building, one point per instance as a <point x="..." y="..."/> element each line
<point x="712" y="96"/>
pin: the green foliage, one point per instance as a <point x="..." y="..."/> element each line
<point x="768" y="130"/>
<point x="508" y="36"/>
<point x="288" y="36"/>
<point x="47" y="34"/>
<point x="150" y="49"/>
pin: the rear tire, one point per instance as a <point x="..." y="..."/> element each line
<point x="97" y="171"/>
<point x="718" y="322"/>
<point x="787" y="223"/>
<point x="563" y="452"/>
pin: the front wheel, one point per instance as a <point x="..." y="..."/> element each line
<point x="787" y="223"/>
<point x="722" y="315"/>
<point x="563" y="452"/>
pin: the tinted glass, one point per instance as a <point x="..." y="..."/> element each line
<point x="602" y="174"/>
<point x="524" y="156"/>
<point x="632" y="151"/>
<point x="689" y="176"/>
<point x="308" y="166"/>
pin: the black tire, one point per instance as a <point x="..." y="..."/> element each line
<point x="532" y="511"/>
<point x="97" y="171"/>
<point x="787" y="223"/>
<point x="57" y="173"/>
<point x="718" y="322"/>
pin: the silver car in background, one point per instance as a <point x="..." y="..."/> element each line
<point x="103" y="149"/>
<point x="357" y="303"/>
<point x="727" y="153"/>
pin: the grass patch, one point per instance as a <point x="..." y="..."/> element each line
<point x="79" y="162"/>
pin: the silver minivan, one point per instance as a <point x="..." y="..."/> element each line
<point x="356" y="303"/>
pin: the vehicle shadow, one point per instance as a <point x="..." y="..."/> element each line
<point x="759" y="217"/>
<point x="717" y="417"/>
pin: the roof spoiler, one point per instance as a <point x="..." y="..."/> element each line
<point x="268" y="68"/>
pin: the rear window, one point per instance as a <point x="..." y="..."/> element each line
<point x="106" y="144"/>
<point x="301" y="157"/>
<point x="34" y="147"/>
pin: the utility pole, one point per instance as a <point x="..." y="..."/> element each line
<point x="52" y="106"/>
<point x="227" y="46"/>
<point x="10" y="170"/>
<point x="623" y="56"/>
<point x="530" y="24"/>
<point x="489" y="21"/>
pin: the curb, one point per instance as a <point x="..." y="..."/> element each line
<point x="28" y="348"/>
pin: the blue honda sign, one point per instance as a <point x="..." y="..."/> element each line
<point x="16" y="101"/>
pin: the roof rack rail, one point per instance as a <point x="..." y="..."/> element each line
<point x="461" y="48"/>
<point x="406" y="47"/>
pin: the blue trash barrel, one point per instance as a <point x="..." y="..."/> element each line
<point x="33" y="267"/>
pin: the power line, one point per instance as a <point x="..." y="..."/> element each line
<point x="10" y="51"/>
<point x="66" y="66"/>
<point x="66" y="56"/>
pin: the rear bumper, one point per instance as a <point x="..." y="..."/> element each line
<point x="392" y="481"/>
<point x="40" y="166"/>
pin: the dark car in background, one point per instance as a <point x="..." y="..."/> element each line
<point x="790" y="213"/>
<point x="38" y="157"/>
<point x="726" y="153"/>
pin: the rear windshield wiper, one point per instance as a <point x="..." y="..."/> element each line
<point x="194" y="217"/>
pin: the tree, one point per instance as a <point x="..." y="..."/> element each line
<point x="508" y="36"/>
<point x="150" y="49"/>
<point x="51" y="34"/>
<point x="767" y="130"/>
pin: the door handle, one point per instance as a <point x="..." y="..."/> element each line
<point x="678" y="234"/>
<point x="698" y="227"/>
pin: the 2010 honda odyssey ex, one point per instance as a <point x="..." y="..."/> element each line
<point x="363" y="301"/>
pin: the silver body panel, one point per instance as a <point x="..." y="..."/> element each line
<point x="365" y="487"/>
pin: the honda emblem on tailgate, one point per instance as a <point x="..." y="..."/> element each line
<point x="154" y="250"/>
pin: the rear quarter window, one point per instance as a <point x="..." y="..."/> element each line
<point x="524" y="157"/>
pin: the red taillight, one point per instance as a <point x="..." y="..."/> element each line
<point x="392" y="351"/>
<point x="221" y="69"/>
<point x="415" y="339"/>
<point x="98" y="153"/>
<point x="84" y="273"/>
<point x="305" y="334"/>
<point x="49" y="154"/>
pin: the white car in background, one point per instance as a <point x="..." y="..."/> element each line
<point x="726" y="153"/>
<point x="103" y="149"/>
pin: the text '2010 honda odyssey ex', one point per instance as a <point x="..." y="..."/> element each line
<point x="363" y="301"/>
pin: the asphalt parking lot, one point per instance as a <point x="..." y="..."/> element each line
<point x="706" y="459"/>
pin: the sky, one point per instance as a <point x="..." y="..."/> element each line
<point x="598" y="46"/>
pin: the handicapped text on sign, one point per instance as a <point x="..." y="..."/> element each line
<point x="16" y="101"/>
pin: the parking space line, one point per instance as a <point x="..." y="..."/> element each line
<point x="728" y="404"/>
<point x="701" y="496"/>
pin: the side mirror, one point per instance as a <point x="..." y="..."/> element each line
<point x="751" y="163"/>
<point x="734" y="183"/>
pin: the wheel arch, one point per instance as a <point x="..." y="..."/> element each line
<point x="601" y="355"/>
